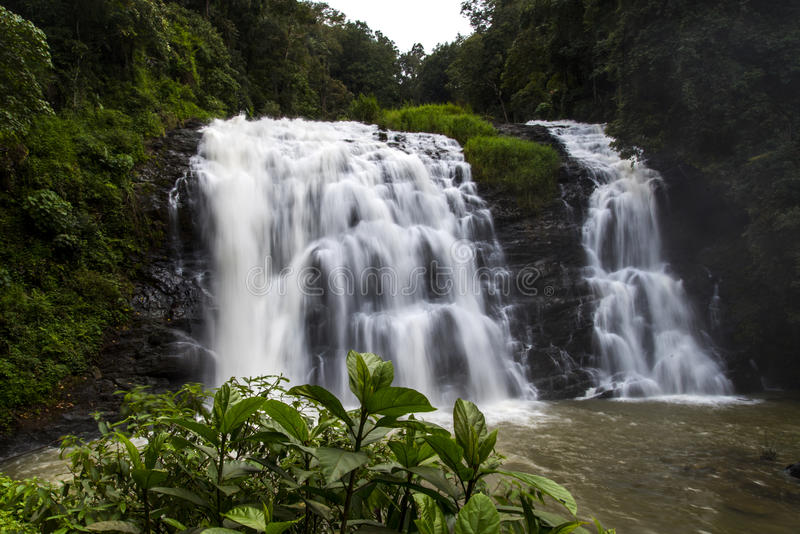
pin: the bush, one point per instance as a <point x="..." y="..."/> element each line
<point x="50" y="213"/>
<point x="447" y="119"/>
<point x="255" y="456"/>
<point x="365" y="109"/>
<point x="525" y="169"/>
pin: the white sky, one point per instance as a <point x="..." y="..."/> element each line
<point x="406" y="22"/>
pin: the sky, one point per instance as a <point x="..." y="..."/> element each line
<point x="406" y="22"/>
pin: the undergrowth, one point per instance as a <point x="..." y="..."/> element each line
<point x="255" y="457"/>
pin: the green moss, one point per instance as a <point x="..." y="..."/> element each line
<point x="524" y="169"/>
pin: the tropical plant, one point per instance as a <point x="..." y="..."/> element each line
<point x="253" y="456"/>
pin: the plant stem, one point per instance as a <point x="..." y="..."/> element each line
<point x="404" y="503"/>
<point x="351" y="484"/>
<point x="146" y="512"/>
<point x="220" y="465"/>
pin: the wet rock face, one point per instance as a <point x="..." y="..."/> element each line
<point x="793" y="470"/>
<point x="159" y="348"/>
<point x="552" y="302"/>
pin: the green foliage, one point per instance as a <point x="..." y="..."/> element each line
<point x="50" y="213"/>
<point x="526" y="170"/>
<point x="253" y="456"/>
<point x="447" y="119"/>
<point x="365" y="109"/>
<point x="24" y="62"/>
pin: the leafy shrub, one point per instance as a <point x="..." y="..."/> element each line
<point x="50" y="213"/>
<point x="365" y="109"/>
<point x="254" y="456"/>
<point x="24" y="60"/>
<point x="525" y="169"/>
<point x="447" y="119"/>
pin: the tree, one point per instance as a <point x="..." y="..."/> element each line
<point x="24" y="63"/>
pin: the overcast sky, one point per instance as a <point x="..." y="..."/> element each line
<point x="408" y="21"/>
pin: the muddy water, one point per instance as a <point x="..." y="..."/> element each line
<point x="681" y="466"/>
<point x="667" y="467"/>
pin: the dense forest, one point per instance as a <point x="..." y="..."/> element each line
<point x="710" y="88"/>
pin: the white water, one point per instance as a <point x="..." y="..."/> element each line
<point x="325" y="239"/>
<point x="644" y="328"/>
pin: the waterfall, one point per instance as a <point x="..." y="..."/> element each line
<point x="326" y="238"/>
<point x="644" y="328"/>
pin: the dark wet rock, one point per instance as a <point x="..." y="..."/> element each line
<point x="553" y="303"/>
<point x="793" y="470"/>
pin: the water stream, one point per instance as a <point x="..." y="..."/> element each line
<point x="325" y="238"/>
<point x="644" y="328"/>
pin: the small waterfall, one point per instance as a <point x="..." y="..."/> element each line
<point x="325" y="238"/>
<point x="644" y="328"/>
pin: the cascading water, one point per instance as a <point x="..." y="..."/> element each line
<point x="325" y="239"/>
<point x="643" y="324"/>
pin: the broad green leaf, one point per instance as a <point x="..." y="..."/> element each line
<point x="133" y="452"/>
<point x="324" y="397"/>
<point x="280" y="527"/>
<point x="373" y="433"/>
<point x="264" y="437"/>
<point x="448" y="450"/>
<point x="324" y="423"/>
<point x="412" y="424"/>
<point x="201" y="429"/>
<point x="336" y="463"/>
<point x="248" y="516"/>
<point x="239" y="412"/>
<point x="182" y="493"/>
<point x="396" y="401"/>
<point x="359" y="374"/>
<point x="319" y="508"/>
<point x="487" y="446"/>
<point x="368" y="373"/>
<point x="431" y="519"/>
<point x="149" y="478"/>
<point x="114" y="526"/>
<point x="382" y="375"/>
<point x="469" y="426"/>
<point x="288" y="418"/>
<point x="219" y="530"/>
<point x="478" y="516"/>
<point x="236" y="468"/>
<point x="438" y="479"/>
<point x="223" y="399"/>
<point x="174" y="523"/>
<point x="568" y="527"/>
<point x="406" y="454"/>
<point x="546" y="486"/>
<point x="153" y="449"/>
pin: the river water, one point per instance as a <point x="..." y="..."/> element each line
<point x="667" y="467"/>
